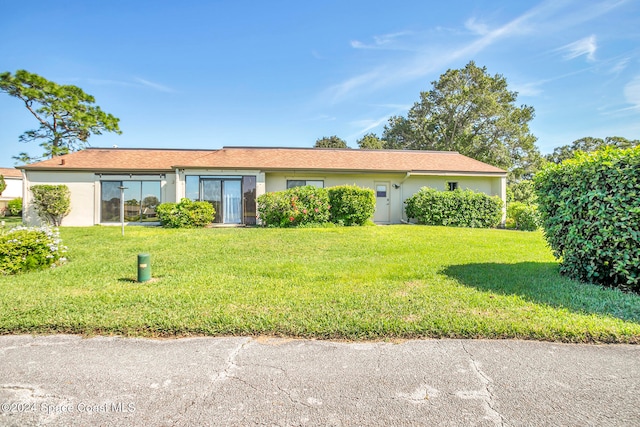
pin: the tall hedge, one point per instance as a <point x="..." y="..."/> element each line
<point x="52" y="202"/>
<point x="590" y="212"/>
<point x="295" y="206"/>
<point x="459" y="208"/>
<point x="351" y="205"/>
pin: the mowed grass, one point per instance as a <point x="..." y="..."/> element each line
<point x="330" y="283"/>
<point x="11" y="221"/>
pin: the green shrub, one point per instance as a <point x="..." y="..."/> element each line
<point x="459" y="208"/>
<point x="15" y="206"/>
<point x="293" y="207"/>
<point x="30" y="248"/>
<point x="52" y="202"/>
<point x="521" y="191"/>
<point x="522" y="216"/>
<point x="351" y="205"/>
<point x="590" y="212"/>
<point x="186" y="214"/>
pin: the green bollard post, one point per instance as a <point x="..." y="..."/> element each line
<point x="144" y="267"/>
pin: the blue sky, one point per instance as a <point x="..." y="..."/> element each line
<point x="205" y="74"/>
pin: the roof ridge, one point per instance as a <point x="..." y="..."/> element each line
<point x="351" y="150"/>
<point x="145" y="149"/>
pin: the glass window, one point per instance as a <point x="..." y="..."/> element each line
<point x="140" y="201"/>
<point x="212" y="193"/>
<point x="249" y="196"/>
<point x="193" y="187"/>
<point x="451" y="186"/>
<point x="150" y="200"/>
<point x="302" y="182"/>
<point x="318" y="184"/>
<point x="232" y="205"/>
<point x="110" y="201"/>
<point x="381" y="191"/>
<point x="132" y="201"/>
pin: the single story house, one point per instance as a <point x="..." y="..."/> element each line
<point x="13" y="179"/>
<point x="231" y="178"/>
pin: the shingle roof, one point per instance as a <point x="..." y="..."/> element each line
<point x="10" y="172"/>
<point x="122" y="159"/>
<point x="119" y="159"/>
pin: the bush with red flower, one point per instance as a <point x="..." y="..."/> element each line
<point x="293" y="207"/>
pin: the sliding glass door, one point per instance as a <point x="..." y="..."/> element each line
<point x="226" y="197"/>
<point x="211" y="190"/>
<point x="232" y="204"/>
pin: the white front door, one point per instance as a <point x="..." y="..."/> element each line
<point x="383" y="202"/>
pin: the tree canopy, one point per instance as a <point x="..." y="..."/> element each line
<point x="370" y="141"/>
<point x="330" y="142"/>
<point x="589" y="144"/>
<point x="66" y="114"/>
<point x="471" y="112"/>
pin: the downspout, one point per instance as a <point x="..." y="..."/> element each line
<point x="402" y="212"/>
<point x="179" y="190"/>
<point x="25" y="196"/>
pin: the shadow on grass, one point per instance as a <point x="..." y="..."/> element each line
<point x="542" y="283"/>
<point x="135" y="280"/>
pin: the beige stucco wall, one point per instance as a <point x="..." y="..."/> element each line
<point x="85" y="193"/>
<point x="85" y="187"/>
<point x="407" y="185"/>
<point x="14" y="188"/>
<point x="81" y="185"/>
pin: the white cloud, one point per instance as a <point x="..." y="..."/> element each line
<point x="137" y="82"/>
<point x="385" y="41"/>
<point x="424" y="62"/>
<point x="366" y="125"/>
<point x="152" y="85"/>
<point x="476" y="27"/>
<point x="620" y="66"/>
<point x="586" y="46"/>
<point x="430" y="57"/>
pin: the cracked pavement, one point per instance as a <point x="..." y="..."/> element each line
<point x="64" y="380"/>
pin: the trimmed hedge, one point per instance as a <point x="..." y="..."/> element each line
<point x="30" y="248"/>
<point x="293" y="207"/>
<point x="186" y="214"/>
<point x="590" y="211"/>
<point x="522" y="216"/>
<point x="52" y="202"/>
<point x="458" y="208"/>
<point x="351" y="205"/>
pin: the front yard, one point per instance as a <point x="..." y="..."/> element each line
<point x="341" y="283"/>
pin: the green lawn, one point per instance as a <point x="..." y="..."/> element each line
<point x="11" y="221"/>
<point x="353" y="283"/>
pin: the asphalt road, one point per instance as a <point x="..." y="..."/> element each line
<point x="71" y="381"/>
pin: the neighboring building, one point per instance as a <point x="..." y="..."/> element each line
<point x="233" y="177"/>
<point x="13" y="179"/>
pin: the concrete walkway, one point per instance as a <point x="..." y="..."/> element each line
<point x="70" y="381"/>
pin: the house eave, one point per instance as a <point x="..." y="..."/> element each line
<point x="352" y="171"/>
<point x="113" y="171"/>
